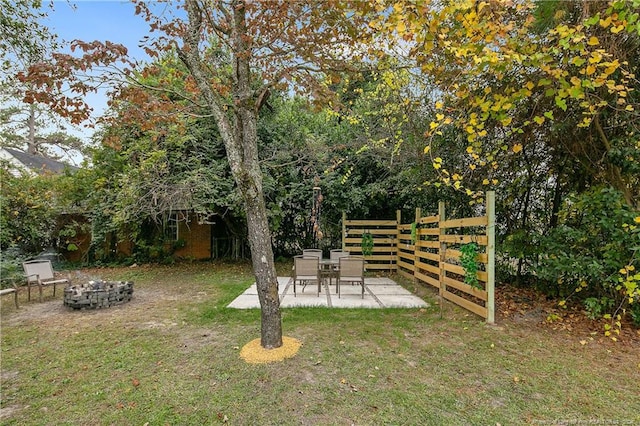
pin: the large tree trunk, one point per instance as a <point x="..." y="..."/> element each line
<point x="249" y="179"/>
<point x="248" y="176"/>
<point x="239" y="133"/>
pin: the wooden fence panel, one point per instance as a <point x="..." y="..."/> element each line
<point x="385" y="241"/>
<point x="428" y="250"/>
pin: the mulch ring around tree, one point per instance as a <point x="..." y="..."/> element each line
<point x="254" y="353"/>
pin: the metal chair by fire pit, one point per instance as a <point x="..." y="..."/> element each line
<point x="40" y="273"/>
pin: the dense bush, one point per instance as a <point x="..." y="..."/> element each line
<point x="593" y="254"/>
<point x="28" y="214"/>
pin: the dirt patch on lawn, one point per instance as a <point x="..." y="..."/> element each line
<point x="527" y="308"/>
<point x="142" y="309"/>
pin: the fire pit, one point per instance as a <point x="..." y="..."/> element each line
<point x="98" y="294"/>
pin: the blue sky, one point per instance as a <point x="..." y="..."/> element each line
<point x="89" y="20"/>
<point x="99" y="20"/>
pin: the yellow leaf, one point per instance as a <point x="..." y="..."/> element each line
<point x="485" y="182"/>
<point x="494" y="181"/>
<point x="637" y="219"/>
<point x="470" y="149"/>
<point x="437" y="165"/>
<point x="433" y="125"/>
<point x="616" y="30"/>
<point x="472" y="166"/>
<point x="517" y="148"/>
<point x="439" y="105"/>
<point x="538" y="119"/>
<point x="438" y="160"/>
<point x="583" y="342"/>
<point x="401" y="28"/>
<point x="530" y="85"/>
<point x="506" y="121"/>
<point x="427" y="149"/>
<point x="439" y="117"/>
<point x="593" y="41"/>
<point x="590" y="69"/>
<point x="605" y="22"/>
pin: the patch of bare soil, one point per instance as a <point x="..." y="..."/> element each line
<point x="139" y="310"/>
<point x="526" y="308"/>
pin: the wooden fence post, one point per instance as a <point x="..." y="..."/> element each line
<point x="491" y="255"/>
<point x="397" y="239"/>
<point x="344" y="230"/>
<point x="443" y="251"/>
<point x="415" y="243"/>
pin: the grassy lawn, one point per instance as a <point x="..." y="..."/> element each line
<point x="171" y="357"/>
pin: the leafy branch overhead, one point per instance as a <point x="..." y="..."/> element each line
<point x="510" y="73"/>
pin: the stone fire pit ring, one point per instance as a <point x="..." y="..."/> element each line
<point x="98" y="294"/>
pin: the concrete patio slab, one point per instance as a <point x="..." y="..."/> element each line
<point x="395" y="301"/>
<point x="390" y="289"/>
<point x="381" y="292"/>
<point x="304" y="300"/>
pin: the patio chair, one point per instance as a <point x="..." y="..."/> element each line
<point x="306" y="270"/>
<point x="334" y="265"/>
<point x="312" y="253"/>
<point x="40" y="273"/>
<point x="336" y="254"/>
<point x="351" y="270"/>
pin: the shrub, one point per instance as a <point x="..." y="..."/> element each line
<point x="593" y="253"/>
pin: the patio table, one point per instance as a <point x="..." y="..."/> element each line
<point x="328" y="268"/>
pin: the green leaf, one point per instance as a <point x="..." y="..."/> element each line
<point x="593" y="20"/>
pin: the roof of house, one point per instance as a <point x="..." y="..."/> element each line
<point x="37" y="163"/>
